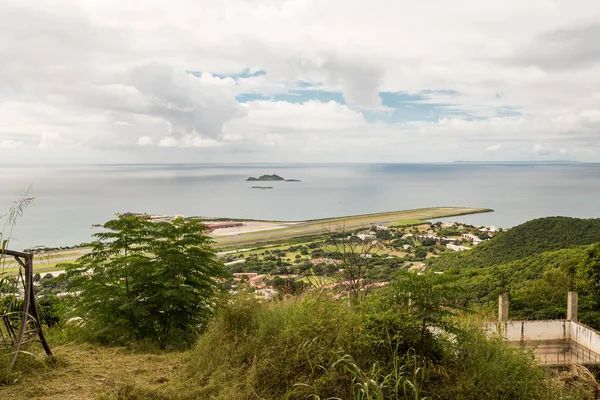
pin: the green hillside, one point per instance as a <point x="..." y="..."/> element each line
<point x="532" y="237"/>
<point x="535" y="263"/>
<point x="537" y="285"/>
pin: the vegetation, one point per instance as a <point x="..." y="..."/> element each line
<point x="158" y="284"/>
<point x="146" y="281"/>
<point x="532" y="237"/>
<point x="536" y="263"/>
<point x="314" y="347"/>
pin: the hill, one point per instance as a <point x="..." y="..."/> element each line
<point x="265" y="178"/>
<point x="532" y="237"/>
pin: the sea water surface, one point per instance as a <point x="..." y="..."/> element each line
<point x="69" y="199"/>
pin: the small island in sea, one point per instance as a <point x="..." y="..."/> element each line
<point x="270" y="178"/>
<point x="262" y="187"/>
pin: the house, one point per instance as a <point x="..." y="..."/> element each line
<point x="257" y="281"/>
<point x="437" y="239"/>
<point x="266" y="294"/>
<point x="417" y="267"/>
<point x="471" y="238"/>
<point x="454" y="247"/>
<point x="247" y="274"/>
<point x="322" y="260"/>
<point x="366" y="236"/>
<point x="382" y="228"/>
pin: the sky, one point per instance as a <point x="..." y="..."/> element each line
<point x="106" y="81"/>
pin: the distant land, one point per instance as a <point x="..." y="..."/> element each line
<point x="519" y="162"/>
<point x="270" y="178"/>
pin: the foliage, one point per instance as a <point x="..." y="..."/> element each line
<point x="51" y="310"/>
<point x="354" y="264"/>
<point x="288" y="286"/>
<point x="532" y="237"/>
<point x="147" y="281"/>
<point x="427" y="298"/>
<point x="317" y="348"/>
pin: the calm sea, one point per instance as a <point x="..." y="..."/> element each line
<point x="68" y="200"/>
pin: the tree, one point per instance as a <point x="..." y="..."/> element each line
<point x="383" y="234"/>
<point x="428" y="298"/>
<point x="353" y="256"/>
<point x="421" y="253"/>
<point x="592" y="268"/>
<point x="147" y="281"/>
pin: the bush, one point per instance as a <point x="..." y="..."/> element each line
<point x="317" y="347"/>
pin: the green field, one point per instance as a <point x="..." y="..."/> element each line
<point x="319" y="227"/>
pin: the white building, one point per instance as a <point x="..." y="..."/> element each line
<point x="454" y="247"/>
<point x="366" y="236"/>
<point x="471" y="238"/>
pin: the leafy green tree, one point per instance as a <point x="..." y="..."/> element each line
<point x="421" y="253"/>
<point x="428" y="299"/>
<point x="147" y="281"/>
<point x="592" y="267"/>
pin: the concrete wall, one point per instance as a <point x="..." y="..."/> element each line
<point x="585" y="336"/>
<point x="555" y="342"/>
<point x="524" y="331"/>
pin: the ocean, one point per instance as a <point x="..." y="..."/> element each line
<point x="69" y="199"/>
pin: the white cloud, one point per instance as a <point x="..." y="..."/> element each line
<point x="144" y="141"/>
<point x="109" y="79"/>
<point x="10" y="144"/>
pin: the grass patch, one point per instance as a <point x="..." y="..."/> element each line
<point x="85" y="371"/>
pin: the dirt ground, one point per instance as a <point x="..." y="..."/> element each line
<point x="84" y="372"/>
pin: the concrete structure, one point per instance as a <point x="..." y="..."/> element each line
<point x="572" y="306"/>
<point x="234" y="262"/>
<point x="437" y="239"/>
<point x="554" y="342"/>
<point x="503" y="308"/>
<point x="455" y="247"/>
<point x="472" y="238"/>
<point x="366" y="236"/>
<point x="328" y="261"/>
<point x="220" y="225"/>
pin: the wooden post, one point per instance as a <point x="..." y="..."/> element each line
<point x="29" y="308"/>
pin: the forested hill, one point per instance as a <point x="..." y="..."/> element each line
<point x="532" y="237"/>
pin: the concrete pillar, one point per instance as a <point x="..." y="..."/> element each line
<point x="572" y="306"/>
<point x="503" y="307"/>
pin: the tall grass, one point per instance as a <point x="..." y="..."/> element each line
<point x="318" y="348"/>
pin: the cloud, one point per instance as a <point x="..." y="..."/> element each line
<point x="109" y="82"/>
<point x="10" y="144"/>
<point x="542" y="150"/>
<point x="563" y="48"/>
<point x="144" y="141"/>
